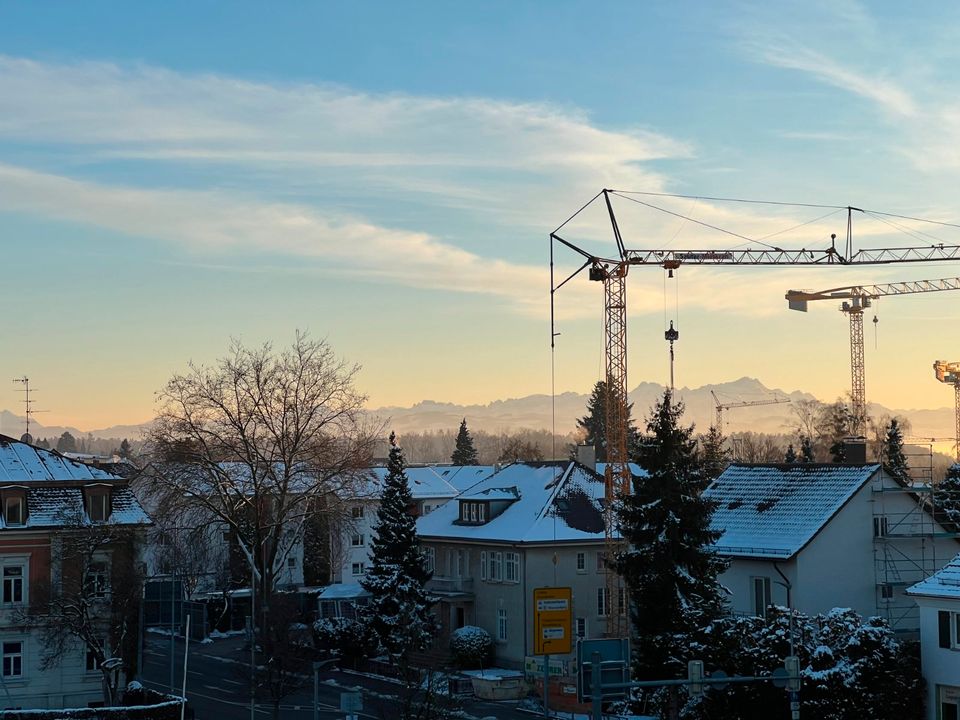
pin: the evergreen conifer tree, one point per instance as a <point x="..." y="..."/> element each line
<point x="398" y="614"/>
<point x="464" y="453"/>
<point x="594" y="424"/>
<point x="715" y="456"/>
<point x="806" y="450"/>
<point x="896" y="461"/>
<point x="671" y="572"/>
<point x="946" y="499"/>
<point x="791" y="457"/>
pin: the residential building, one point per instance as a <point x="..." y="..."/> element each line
<point x="938" y="598"/>
<point x="45" y="497"/>
<point x="527" y="526"/>
<point x="350" y="539"/>
<point x="819" y="536"/>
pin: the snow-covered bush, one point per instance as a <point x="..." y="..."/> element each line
<point x="471" y="647"/>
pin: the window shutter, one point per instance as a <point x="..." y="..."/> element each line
<point x="943" y="618"/>
<point x="483" y="569"/>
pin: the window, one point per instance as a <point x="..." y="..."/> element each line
<point x="97" y="580"/>
<point x="464" y="511"/>
<point x="91" y="663"/>
<point x="473" y="512"/>
<point x="482" y="512"/>
<point x="886" y="591"/>
<point x="601" y="562"/>
<point x="427" y="508"/>
<point x="761" y="595"/>
<point x="14" y="510"/>
<point x="880" y="526"/>
<point x="621" y="600"/>
<point x="460" y="568"/>
<point x="13" y="658"/>
<point x="483" y="564"/>
<point x="495" y="566"/>
<point x="291" y="562"/>
<point x="581" y="562"/>
<point x="225" y="537"/>
<point x="358" y="540"/>
<point x="356" y="512"/>
<point x="603" y="602"/>
<point x="511" y="571"/>
<point x="13" y="584"/>
<point x="502" y="624"/>
<point x="430" y="559"/>
<point x="98" y="506"/>
<point x="357" y="568"/>
<point x="581" y="627"/>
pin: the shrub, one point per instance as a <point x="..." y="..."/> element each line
<point x="471" y="647"/>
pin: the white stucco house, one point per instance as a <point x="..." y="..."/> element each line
<point x="938" y="598"/>
<point x="830" y="536"/>
<point x="526" y="526"/>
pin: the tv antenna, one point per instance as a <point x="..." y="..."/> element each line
<point x="28" y="405"/>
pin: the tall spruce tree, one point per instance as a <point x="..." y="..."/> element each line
<point x="715" y="456"/>
<point x="594" y="424"/>
<point x="464" y="453"/>
<point x="806" y="450"/>
<point x="896" y="461"/>
<point x="671" y="571"/>
<point x="399" y="610"/>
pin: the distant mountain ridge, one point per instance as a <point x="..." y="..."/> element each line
<point x="536" y="412"/>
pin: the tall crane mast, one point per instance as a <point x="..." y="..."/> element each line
<point x="612" y="272"/>
<point x="856" y="299"/>
<point x="949" y="373"/>
<point x="744" y="403"/>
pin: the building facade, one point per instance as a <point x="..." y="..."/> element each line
<point x="47" y="501"/>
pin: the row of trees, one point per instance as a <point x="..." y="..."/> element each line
<point x="67" y="443"/>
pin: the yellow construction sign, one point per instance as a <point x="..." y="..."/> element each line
<point x="552" y="621"/>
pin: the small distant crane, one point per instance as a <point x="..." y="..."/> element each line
<point x="743" y="403"/>
<point x="856" y="299"/>
<point x="949" y="374"/>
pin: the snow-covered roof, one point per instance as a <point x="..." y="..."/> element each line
<point x="775" y="510"/>
<point x="555" y="502"/>
<point x="425" y="483"/>
<point x="343" y="591"/>
<point x="463" y="477"/>
<point x="504" y="493"/>
<point x="635" y="469"/>
<point x="58" y="506"/>
<point x="944" y="583"/>
<point x="20" y="462"/>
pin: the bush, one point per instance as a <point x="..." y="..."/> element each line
<point x="471" y="647"/>
<point x="348" y="639"/>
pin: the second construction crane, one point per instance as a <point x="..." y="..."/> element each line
<point x="949" y="374"/>
<point x="856" y="299"/>
<point x="744" y="403"/>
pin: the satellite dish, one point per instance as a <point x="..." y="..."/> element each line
<point x="27" y="438"/>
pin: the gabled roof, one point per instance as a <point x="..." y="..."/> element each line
<point x="944" y="583"/>
<point x="23" y="463"/>
<point x="554" y="502"/>
<point x="773" y="511"/>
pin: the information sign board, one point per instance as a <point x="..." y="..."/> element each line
<point x="552" y="621"/>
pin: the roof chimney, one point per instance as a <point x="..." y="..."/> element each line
<point x="855" y="450"/>
<point x="587" y="456"/>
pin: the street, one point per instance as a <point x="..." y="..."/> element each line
<point x="218" y="686"/>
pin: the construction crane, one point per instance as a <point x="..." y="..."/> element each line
<point x="743" y="403"/>
<point x="612" y="272"/>
<point x="949" y="373"/>
<point x="856" y="299"/>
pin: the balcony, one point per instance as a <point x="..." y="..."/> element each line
<point x="450" y="584"/>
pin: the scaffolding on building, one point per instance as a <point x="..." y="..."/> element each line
<point x="909" y="544"/>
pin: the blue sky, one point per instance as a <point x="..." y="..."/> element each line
<point x="386" y="175"/>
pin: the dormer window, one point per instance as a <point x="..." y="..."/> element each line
<point x="98" y="505"/>
<point x="14" y="510"/>
<point x="473" y="513"/>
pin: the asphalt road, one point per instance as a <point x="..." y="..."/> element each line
<point x="218" y="687"/>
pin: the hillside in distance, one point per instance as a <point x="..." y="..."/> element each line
<point x="535" y="412"/>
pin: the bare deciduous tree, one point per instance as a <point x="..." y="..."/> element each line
<point x="254" y="441"/>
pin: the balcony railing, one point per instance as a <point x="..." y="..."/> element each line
<point x="450" y="584"/>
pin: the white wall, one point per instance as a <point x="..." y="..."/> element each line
<point x="941" y="666"/>
<point x="68" y="685"/>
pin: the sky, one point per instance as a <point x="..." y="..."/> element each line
<point x="385" y="176"/>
